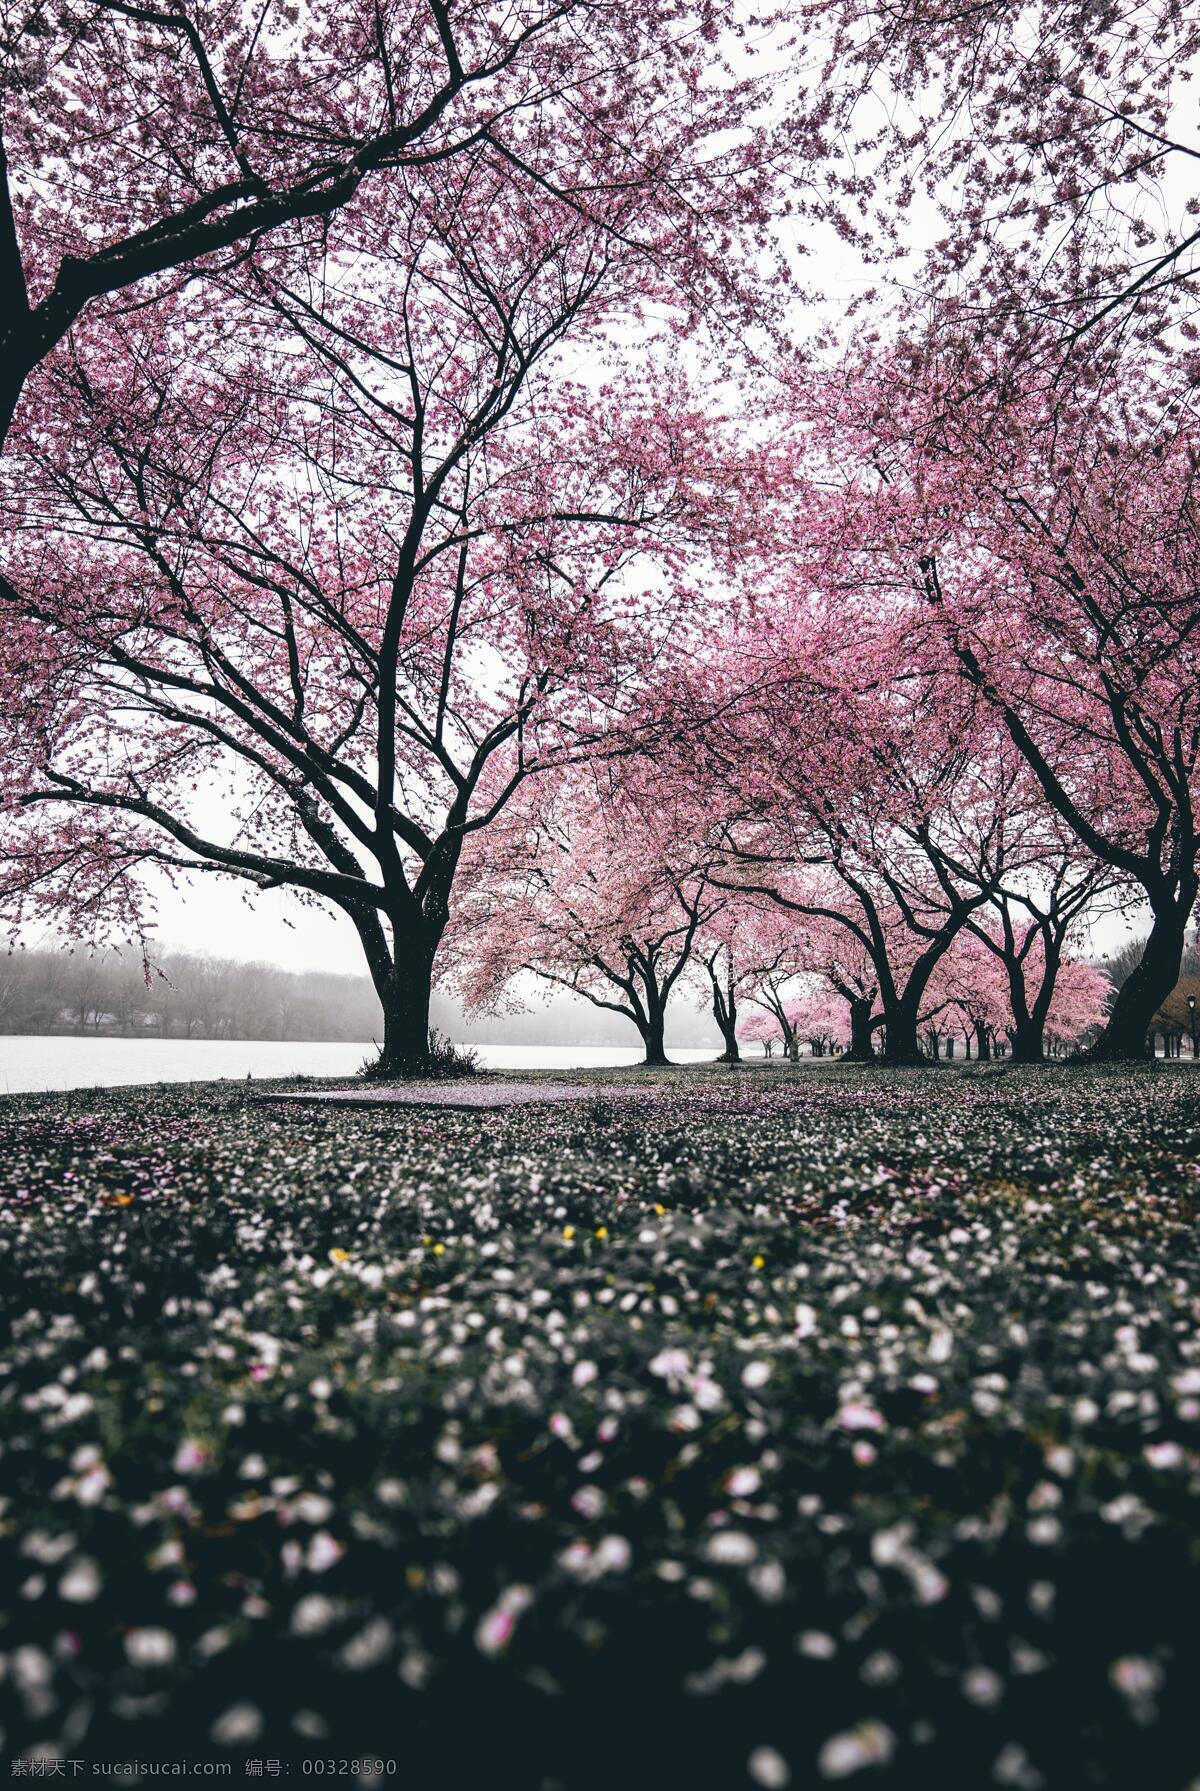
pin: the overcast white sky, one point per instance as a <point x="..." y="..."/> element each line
<point x="216" y="916"/>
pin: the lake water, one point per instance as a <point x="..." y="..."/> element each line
<point x="33" y="1065"/>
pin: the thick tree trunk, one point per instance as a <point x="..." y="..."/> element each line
<point x="1027" y="1042"/>
<point x="983" y="1045"/>
<point x="861" y="1049"/>
<point x="405" y="999"/>
<point x="1139" y="998"/>
<point x="652" y="1038"/>
<point x="724" y="1009"/>
<point x="902" y="1044"/>
<point x="402" y="971"/>
<point x="1027" y="1033"/>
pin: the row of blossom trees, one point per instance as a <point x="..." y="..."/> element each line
<point x="619" y="885"/>
<point x="372" y="526"/>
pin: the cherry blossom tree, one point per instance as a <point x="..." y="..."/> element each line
<point x="775" y="1010"/>
<point x="362" y="570"/>
<point x="1029" y="933"/>
<point x="724" y="982"/>
<point x="845" y="1000"/>
<point x="966" y="997"/>
<point x="866" y="808"/>
<point x="583" y="888"/>
<point x="1055" y="144"/>
<point x="1081" y="996"/>
<point x="748" y="951"/>
<point x="759" y="1028"/>
<point x="822" y="1018"/>
<point x="817" y="1017"/>
<point x="173" y="150"/>
<point x="1051" y="542"/>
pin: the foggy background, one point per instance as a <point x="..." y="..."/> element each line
<point x="223" y="967"/>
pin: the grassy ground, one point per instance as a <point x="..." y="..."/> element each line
<point x="734" y="1428"/>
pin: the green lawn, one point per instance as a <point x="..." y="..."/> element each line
<point x="732" y="1428"/>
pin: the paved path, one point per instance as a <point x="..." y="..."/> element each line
<point x="468" y="1093"/>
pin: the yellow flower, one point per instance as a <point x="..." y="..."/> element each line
<point x="439" y="1249"/>
<point x="568" y="1232"/>
<point x="124" y="1199"/>
<point x="339" y="1256"/>
<point x="759" y="1262"/>
<point x="602" y="1232"/>
<point x="660" y="1210"/>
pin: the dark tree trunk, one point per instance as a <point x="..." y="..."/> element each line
<point x="402" y="971"/>
<point x="902" y="1044"/>
<point x="861" y="1049"/>
<point x="983" y="1045"/>
<point x="652" y="1038"/>
<point x="724" y="1007"/>
<point x="405" y="996"/>
<point x="1127" y="1033"/>
<point x="1027" y="1032"/>
<point x="950" y="1045"/>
